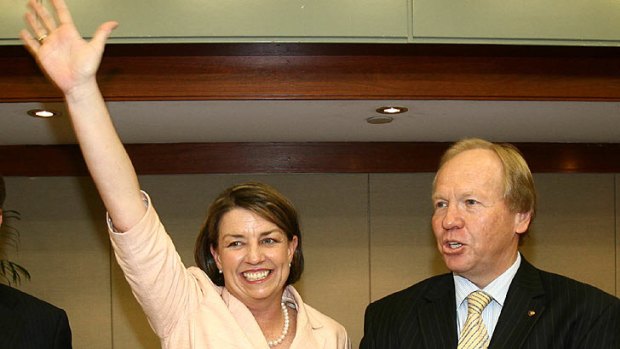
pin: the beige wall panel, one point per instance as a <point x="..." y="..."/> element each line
<point x="66" y="251"/>
<point x="402" y="246"/>
<point x="229" y="21"/>
<point x="574" y="20"/>
<point x="574" y="231"/>
<point x="333" y="210"/>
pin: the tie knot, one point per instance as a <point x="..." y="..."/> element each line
<point x="477" y="301"/>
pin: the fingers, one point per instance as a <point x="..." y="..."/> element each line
<point x="31" y="44"/>
<point x="35" y="26"/>
<point x="62" y="11"/>
<point x="40" y="23"/>
<point x="36" y="31"/>
<point x="48" y="21"/>
<point x="103" y="33"/>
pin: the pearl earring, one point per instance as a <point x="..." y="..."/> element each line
<point x="220" y="270"/>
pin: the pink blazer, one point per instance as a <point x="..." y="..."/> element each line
<point x="187" y="310"/>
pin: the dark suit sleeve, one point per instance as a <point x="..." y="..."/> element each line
<point x="368" y="341"/>
<point x="62" y="339"/>
<point x="42" y="326"/>
<point x="27" y="322"/>
<point x="605" y="331"/>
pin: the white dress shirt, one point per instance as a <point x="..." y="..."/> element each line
<point x="497" y="289"/>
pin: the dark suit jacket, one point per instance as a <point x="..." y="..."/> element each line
<point x="27" y="322"/>
<point x="542" y="310"/>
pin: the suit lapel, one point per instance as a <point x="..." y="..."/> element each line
<point x="525" y="302"/>
<point x="438" y="316"/>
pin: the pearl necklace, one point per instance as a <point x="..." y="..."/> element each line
<point x="279" y="340"/>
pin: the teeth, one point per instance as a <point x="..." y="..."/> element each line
<point x="455" y="244"/>
<point x="255" y="276"/>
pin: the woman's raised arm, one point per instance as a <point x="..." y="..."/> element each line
<point x="71" y="63"/>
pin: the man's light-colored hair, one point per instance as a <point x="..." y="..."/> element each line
<point x="519" y="190"/>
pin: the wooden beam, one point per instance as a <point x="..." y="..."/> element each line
<point x="66" y="160"/>
<point x="333" y="71"/>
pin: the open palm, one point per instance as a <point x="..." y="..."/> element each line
<point x="67" y="59"/>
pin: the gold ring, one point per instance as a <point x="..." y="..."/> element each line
<point x="41" y="38"/>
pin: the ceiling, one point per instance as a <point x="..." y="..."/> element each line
<point x="327" y="121"/>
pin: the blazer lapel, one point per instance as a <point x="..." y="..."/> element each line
<point x="306" y="327"/>
<point x="525" y="302"/>
<point x="438" y="316"/>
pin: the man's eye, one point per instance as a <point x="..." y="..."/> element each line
<point x="441" y="204"/>
<point x="470" y="202"/>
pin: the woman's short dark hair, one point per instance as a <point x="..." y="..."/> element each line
<point x="264" y="201"/>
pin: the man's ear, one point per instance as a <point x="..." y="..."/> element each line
<point x="522" y="222"/>
<point x="0" y="216"/>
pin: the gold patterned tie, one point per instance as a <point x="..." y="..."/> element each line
<point x="474" y="334"/>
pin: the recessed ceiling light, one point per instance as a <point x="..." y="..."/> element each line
<point x="43" y="113"/>
<point x="391" y="110"/>
<point x="377" y="120"/>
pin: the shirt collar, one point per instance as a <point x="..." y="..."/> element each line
<point x="497" y="289"/>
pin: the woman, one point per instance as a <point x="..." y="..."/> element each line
<point x="249" y="250"/>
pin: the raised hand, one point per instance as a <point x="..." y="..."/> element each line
<point x="67" y="59"/>
<point x="71" y="63"/>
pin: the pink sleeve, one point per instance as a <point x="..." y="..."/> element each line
<point x="155" y="272"/>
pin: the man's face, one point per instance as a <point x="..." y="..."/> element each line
<point x="476" y="232"/>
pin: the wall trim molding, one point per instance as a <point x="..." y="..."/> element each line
<point x="382" y="157"/>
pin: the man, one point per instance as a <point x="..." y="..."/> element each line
<point x="484" y="200"/>
<point x="27" y="322"/>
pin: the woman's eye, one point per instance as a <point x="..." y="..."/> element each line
<point x="234" y="244"/>
<point x="269" y="241"/>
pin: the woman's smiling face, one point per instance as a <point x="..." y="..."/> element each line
<point x="254" y="256"/>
